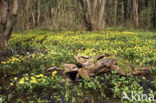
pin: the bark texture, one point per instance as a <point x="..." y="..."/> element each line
<point x="115" y="12"/>
<point x="135" y="13"/>
<point x="88" y="67"/>
<point x="8" y="15"/>
<point x="94" y="12"/>
<point x="154" y="12"/>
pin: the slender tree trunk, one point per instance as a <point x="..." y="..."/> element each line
<point x="125" y="11"/>
<point x="39" y="13"/>
<point x="90" y="15"/>
<point x="3" y="21"/>
<point x="86" y="22"/>
<point x="7" y="22"/>
<point x="154" y="16"/>
<point x="27" y="24"/>
<point x="51" y="13"/>
<point x="102" y="13"/>
<point x="135" y="13"/>
<point x="115" y="12"/>
<point x="122" y="12"/>
<point x="33" y="18"/>
<point x="94" y="6"/>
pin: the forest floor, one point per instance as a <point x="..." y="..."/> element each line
<point x="23" y="76"/>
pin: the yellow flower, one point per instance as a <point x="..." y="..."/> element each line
<point x="21" y="81"/>
<point x="26" y="78"/>
<point x="144" y="78"/>
<point x="43" y="80"/>
<point x="115" y="83"/>
<point x="15" y="78"/>
<point x="41" y="75"/>
<point x="33" y="55"/>
<point x="33" y="80"/>
<point x="32" y="77"/>
<point x="3" y="62"/>
<point x="53" y="74"/>
<point x="37" y="76"/>
<point x="11" y="84"/>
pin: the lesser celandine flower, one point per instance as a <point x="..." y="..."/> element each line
<point x="3" y="62"/>
<point x="21" y="81"/>
<point x="15" y="78"/>
<point x="26" y="78"/>
<point x="143" y="78"/>
<point x="37" y="76"/>
<point x="33" y="81"/>
<point x="53" y="74"/>
<point x="11" y="84"/>
<point x="41" y="75"/>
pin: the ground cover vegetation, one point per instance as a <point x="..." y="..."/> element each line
<point x="36" y="35"/>
<point x="24" y="78"/>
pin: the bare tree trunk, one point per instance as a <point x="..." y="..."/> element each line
<point x="45" y="18"/>
<point x="3" y="21"/>
<point x="39" y="13"/>
<point x="33" y="18"/>
<point x="94" y="6"/>
<point x="86" y="22"/>
<point x="27" y="25"/>
<point x="90" y="15"/>
<point x="93" y="16"/>
<point x="51" y="13"/>
<point x="135" y="12"/>
<point x="7" y="22"/>
<point x="154" y="16"/>
<point x="130" y="11"/>
<point x="101" y="14"/>
<point x="115" y="12"/>
<point x="125" y="11"/>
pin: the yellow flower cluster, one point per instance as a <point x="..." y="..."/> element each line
<point x="54" y="48"/>
<point x="13" y="60"/>
<point x="33" y="79"/>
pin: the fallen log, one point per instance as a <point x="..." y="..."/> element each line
<point x="88" y="67"/>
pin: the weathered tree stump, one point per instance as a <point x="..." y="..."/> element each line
<point x="88" y="67"/>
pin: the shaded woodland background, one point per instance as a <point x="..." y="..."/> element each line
<point x="85" y="14"/>
<point x="58" y="15"/>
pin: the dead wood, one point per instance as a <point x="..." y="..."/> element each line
<point x="95" y="65"/>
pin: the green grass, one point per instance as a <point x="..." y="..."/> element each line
<point x="35" y="51"/>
